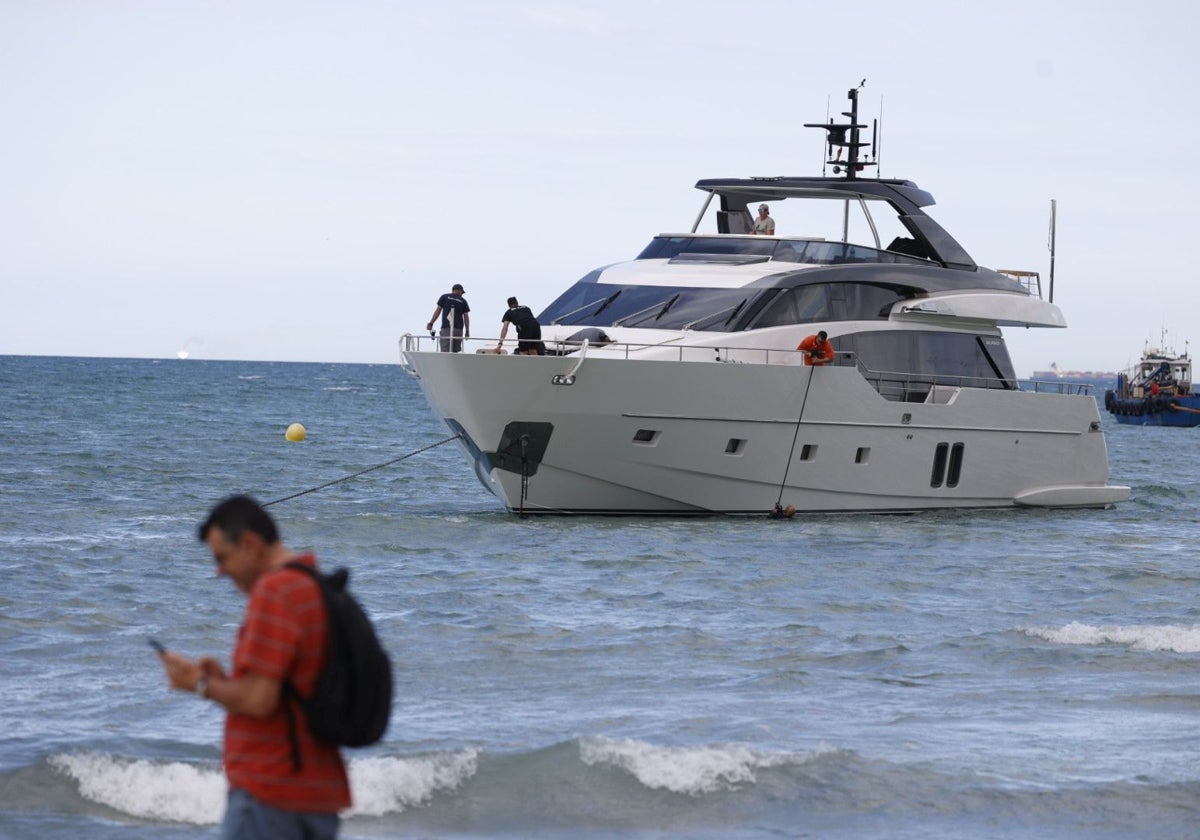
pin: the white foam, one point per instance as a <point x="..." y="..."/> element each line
<point x="689" y="770"/>
<point x="382" y="785"/>
<point x="1168" y="637"/>
<point x="173" y="791"/>
<point x="187" y="793"/>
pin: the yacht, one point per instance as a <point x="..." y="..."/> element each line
<point x="671" y="383"/>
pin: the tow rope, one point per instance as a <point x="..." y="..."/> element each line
<point x="362" y="472"/>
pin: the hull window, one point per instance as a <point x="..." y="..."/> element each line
<point x="646" y="437"/>
<point x="808" y="452"/>
<point x="947" y="465"/>
<point x="955" y="469"/>
<point x="863" y="455"/>
<point x="735" y="446"/>
<point x="939" y="465"/>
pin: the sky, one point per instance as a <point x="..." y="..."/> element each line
<point x="300" y="181"/>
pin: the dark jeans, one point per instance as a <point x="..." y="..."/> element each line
<point x="248" y="819"/>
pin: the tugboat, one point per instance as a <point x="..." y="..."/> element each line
<point x="1156" y="392"/>
<point x="673" y="383"/>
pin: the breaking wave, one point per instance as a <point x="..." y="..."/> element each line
<point x="183" y="792"/>
<point x="1168" y="637"/>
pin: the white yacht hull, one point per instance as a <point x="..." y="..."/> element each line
<point x="669" y="437"/>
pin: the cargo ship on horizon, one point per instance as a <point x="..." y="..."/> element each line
<point x="1057" y="374"/>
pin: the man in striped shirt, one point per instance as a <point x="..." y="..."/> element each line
<point x="273" y="792"/>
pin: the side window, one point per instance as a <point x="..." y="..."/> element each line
<point x="829" y="302"/>
<point x="779" y="312"/>
<point x="925" y="358"/>
<point x="812" y="303"/>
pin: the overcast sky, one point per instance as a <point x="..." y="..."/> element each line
<point x="301" y="180"/>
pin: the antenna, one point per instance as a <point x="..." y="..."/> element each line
<point x="836" y="135"/>
<point x="875" y="149"/>
<point x="829" y="146"/>
<point x="1053" y="219"/>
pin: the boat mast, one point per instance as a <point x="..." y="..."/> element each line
<point x="836" y="135"/>
<point x="846" y="136"/>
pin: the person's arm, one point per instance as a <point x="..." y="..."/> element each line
<point x="252" y="694"/>
<point x="436" y="314"/>
<point x="503" y="332"/>
<point x="467" y="324"/>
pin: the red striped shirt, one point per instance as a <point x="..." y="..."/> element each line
<point x="283" y="638"/>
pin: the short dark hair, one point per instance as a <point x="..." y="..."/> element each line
<point x="822" y="335"/>
<point x="237" y="515"/>
<point x="512" y="301"/>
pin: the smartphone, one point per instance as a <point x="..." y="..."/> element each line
<point x="157" y="645"/>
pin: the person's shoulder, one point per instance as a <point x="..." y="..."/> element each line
<point x="290" y="580"/>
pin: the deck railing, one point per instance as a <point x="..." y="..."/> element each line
<point x="897" y="386"/>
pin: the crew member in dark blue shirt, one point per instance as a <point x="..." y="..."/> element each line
<point x="456" y="322"/>
<point x="529" y="331"/>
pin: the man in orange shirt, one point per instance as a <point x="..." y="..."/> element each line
<point x="817" y="349"/>
<point x="279" y="787"/>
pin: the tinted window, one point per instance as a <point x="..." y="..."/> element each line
<point x="903" y="365"/>
<point x="829" y="302"/>
<point x="650" y="307"/>
<point x="783" y="250"/>
<point x="665" y="247"/>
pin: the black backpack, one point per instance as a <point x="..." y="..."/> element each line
<point x="352" y="700"/>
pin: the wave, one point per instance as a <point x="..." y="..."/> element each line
<point x="194" y="792"/>
<point x="688" y="770"/>
<point x="173" y="791"/>
<point x="1173" y="638"/>
<point x="183" y="792"/>
<point x="594" y="786"/>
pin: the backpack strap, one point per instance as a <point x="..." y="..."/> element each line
<point x="291" y="697"/>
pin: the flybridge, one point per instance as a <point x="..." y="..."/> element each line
<point x="918" y="234"/>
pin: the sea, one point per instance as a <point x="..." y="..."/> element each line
<point x="1008" y="674"/>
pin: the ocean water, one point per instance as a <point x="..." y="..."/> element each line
<point x="1021" y="674"/>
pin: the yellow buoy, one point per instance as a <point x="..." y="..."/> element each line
<point x="295" y="432"/>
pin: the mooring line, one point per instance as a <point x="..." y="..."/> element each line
<point x="362" y="472"/>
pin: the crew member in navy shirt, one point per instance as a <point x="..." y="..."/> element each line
<point x="529" y="331"/>
<point x="456" y="322"/>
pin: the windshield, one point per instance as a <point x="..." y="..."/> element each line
<point x="650" y="307"/>
<point x="811" y="251"/>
